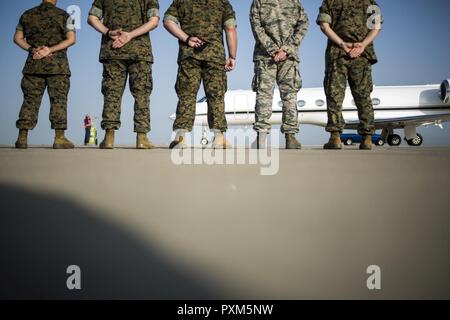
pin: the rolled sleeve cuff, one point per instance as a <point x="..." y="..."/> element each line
<point x="323" y="17"/>
<point x="19" y="27"/>
<point x="168" y="17"/>
<point x="230" y="23"/>
<point x="97" y="12"/>
<point x="70" y="25"/>
<point x="271" y="50"/>
<point x="290" y="50"/>
<point x="154" y="12"/>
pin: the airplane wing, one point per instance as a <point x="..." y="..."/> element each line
<point x="404" y="121"/>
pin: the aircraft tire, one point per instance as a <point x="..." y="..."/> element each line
<point x="416" y="142"/>
<point x="394" y="140"/>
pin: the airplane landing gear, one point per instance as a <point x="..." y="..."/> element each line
<point x="204" y="140"/>
<point x="415" y="142"/>
<point x="394" y="140"/>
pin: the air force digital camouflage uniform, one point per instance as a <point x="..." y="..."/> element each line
<point x="134" y="60"/>
<point x="205" y="19"/>
<point x="45" y="25"/>
<point x="349" y="19"/>
<point x="277" y="24"/>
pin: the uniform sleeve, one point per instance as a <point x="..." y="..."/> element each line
<point x="375" y="11"/>
<point x="172" y="13"/>
<point x="229" y="16"/>
<point x="20" y="24"/>
<point x="97" y="9"/>
<point x="259" y="33"/>
<point x="300" y="30"/>
<point x="70" y="24"/>
<point x="152" y="8"/>
<point x="325" y="14"/>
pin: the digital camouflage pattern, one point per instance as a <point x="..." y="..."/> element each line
<point x="287" y="75"/>
<point x="33" y="87"/>
<point x="348" y="18"/>
<point x="190" y="74"/>
<point x="277" y="24"/>
<point x="205" y="19"/>
<point x="359" y="74"/>
<point x="128" y="15"/>
<point x="46" y="25"/>
<point x="115" y="74"/>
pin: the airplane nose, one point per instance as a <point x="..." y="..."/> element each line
<point x="173" y="117"/>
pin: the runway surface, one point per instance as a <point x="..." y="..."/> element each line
<point x="140" y="226"/>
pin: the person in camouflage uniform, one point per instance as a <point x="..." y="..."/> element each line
<point x="126" y="52"/>
<point x="45" y="32"/>
<point x="199" y="25"/>
<point x="279" y="27"/>
<point x="351" y="27"/>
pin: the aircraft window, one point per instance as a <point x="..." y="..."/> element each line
<point x="202" y="100"/>
<point x="376" y="101"/>
<point x="320" y="103"/>
<point x="301" y="103"/>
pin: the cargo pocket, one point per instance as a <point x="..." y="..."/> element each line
<point x="298" y="83"/>
<point x="225" y="82"/>
<point x="255" y="81"/>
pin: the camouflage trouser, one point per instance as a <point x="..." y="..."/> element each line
<point x="33" y="87"/>
<point x="190" y="74"/>
<point x="115" y="73"/>
<point x="359" y="74"/>
<point x="286" y="74"/>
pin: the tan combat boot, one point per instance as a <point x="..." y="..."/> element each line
<point x="142" y="142"/>
<point x="291" y="142"/>
<point x="61" y="142"/>
<point x="22" y="140"/>
<point x="108" y="142"/>
<point x="261" y="140"/>
<point x="220" y="142"/>
<point x="334" y="143"/>
<point x="366" y="143"/>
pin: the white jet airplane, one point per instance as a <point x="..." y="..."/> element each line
<point x="396" y="107"/>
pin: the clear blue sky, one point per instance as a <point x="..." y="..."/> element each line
<point x="413" y="49"/>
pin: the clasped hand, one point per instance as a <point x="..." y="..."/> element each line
<point x="280" y="55"/>
<point x="119" y="37"/>
<point x="41" y="53"/>
<point x="354" y="50"/>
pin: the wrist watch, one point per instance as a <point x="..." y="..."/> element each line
<point x="30" y="49"/>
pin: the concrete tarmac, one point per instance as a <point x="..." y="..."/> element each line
<point x="140" y="226"/>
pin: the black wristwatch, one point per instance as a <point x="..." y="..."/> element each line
<point x="30" y="49"/>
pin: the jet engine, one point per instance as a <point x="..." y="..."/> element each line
<point x="445" y="91"/>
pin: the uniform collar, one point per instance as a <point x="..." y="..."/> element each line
<point x="47" y="4"/>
